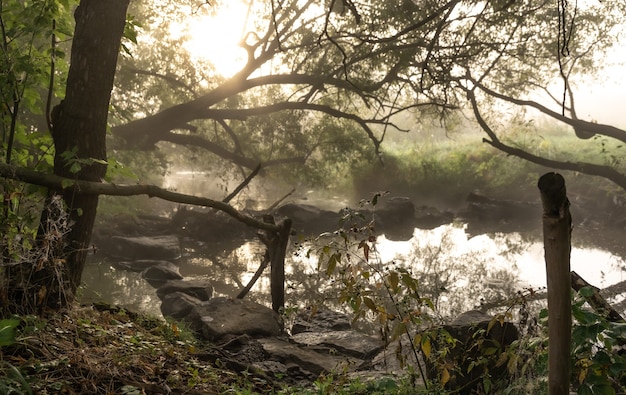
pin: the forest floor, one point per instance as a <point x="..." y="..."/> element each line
<point x="107" y="350"/>
<point x="101" y="349"/>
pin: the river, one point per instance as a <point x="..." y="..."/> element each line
<point x="464" y="270"/>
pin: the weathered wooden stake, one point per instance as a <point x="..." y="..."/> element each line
<point x="557" y="229"/>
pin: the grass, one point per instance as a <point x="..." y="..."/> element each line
<point x="446" y="170"/>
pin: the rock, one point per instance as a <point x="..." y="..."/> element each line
<point x="218" y="317"/>
<point x="288" y="353"/>
<point x="178" y="305"/>
<point x="144" y="247"/>
<point x="393" y="360"/>
<point x="291" y="372"/>
<point x="138" y="265"/>
<point x="473" y="339"/>
<point x="395" y="217"/>
<point x="160" y="274"/>
<point x="209" y="225"/>
<point x="309" y="219"/>
<point x="351" y="343"/>
<point x="320" y="321"/>
<point x="199" y="289"/>
<point x="431" y="218"/>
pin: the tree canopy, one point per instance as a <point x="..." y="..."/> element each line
<point x="315" y="74"/>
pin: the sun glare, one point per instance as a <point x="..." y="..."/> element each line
<point x="215" y="38"/>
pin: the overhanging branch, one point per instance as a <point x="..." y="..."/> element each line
<point x="582" y="167"/>
<point x="577" y="124"/>
<point x="100" y="188"/>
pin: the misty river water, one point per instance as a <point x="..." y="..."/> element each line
<point x="466" y="269"/>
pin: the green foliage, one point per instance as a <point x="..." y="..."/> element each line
<point x="597" y="367"/>
<point x="7" y="331"/>
<point x="401" y="304"/>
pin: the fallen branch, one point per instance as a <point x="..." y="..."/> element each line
<point x="103" y="188"/>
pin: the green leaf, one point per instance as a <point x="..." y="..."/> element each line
<point x="586" y="292"/>
<point x="398" y="330"/>
<point x="67" y="183"/>
<point x="369" y="303"/>
<point x="332" y="263"/>
<point x="603" y="389"/>
<point x="394" y="280"/>
<point x="7" y="331"/>
<point x="75" y="167"/>
<point x="486" y="384"/>
<point x="426" y="346"/>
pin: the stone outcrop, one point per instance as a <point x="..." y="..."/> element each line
<point x="178" y="305"/>
<point x="476" y="340"/>
<point x="138" y="265"/>
<point x="219" y="317"/>
<point x="165" y="247"/>
<point x="199" y="289"/>
<point x="158" y="275"/>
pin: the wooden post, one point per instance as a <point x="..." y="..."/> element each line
<point x="557" y="227"/>
<point x="277" y="274"/>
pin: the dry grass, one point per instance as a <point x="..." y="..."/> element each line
<point x="107" y="350"/>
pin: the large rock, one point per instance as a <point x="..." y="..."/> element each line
<point x="309" y="219"/>
<point x="395" y="217"/>
<point x="139" y="265"/>
<point x="308" y="359"/>
<point x="351" y="343"/>
<point x="320" y="321"/>
<point x="178" y="305"/>
<point x="144" y="247"/>
<point x="476" y="341"/>
<point x="219" y="317"/>
<point x="161" y="273"/>
<point x="199" y="289"/>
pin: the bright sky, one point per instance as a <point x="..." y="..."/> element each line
<point x="215" y="38"/>
<point x="604" y="100"/>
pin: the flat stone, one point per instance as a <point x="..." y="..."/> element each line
<point x="139" y="265"/>
<point x="288" y="353"/>
<point x="144" y="247"/>
<point x="161" y="273"/>
<point x="350" y="343"/>
<point x="218" y="317"/>
<point x="320" y="321"/>
<point x="178" y="305"/>
<point x="200" y="289"/>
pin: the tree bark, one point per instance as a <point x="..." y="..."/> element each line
<point x="79" y="131"/>
<point x="557" y="225"/>
<point x="596" y="301"/>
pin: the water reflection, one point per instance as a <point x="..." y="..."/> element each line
<point x="103" y="282"/>
<point x="457" y="271"/>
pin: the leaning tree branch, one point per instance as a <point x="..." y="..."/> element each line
<point x="197" y="141"/>
<point x="582" y="167"/>
<point x="577" y="124"/>
<point x="102" y="188"/>
<point x="147" y="131"/>
<point x="169" y="78"/>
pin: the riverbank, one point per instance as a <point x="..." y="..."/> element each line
<point x="100" y="349"/>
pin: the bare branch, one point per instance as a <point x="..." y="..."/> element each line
<point x="101" y="188"/>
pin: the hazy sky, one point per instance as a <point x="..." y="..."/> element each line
<point x="604" y="100"/>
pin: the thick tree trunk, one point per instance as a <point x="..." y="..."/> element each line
<point x="79" y="131"/>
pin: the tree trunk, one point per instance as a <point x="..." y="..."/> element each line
<point x="79" y="131"/>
